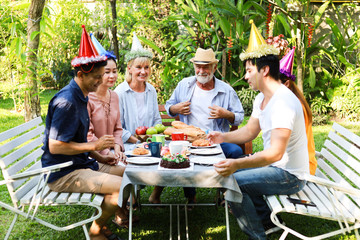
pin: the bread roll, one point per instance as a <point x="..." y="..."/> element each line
<point x="140" y="151"/>
<point x="190" y="131"/>
<point x="201" y="143"/>
<point x="181" y="125"/>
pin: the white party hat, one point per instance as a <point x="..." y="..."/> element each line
<point x="137" y="50"/>
<point x="136" y="45"/>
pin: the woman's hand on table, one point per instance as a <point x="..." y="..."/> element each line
<point x="226" y="167"/>
<point x="215" y="137"/>
<point x="121" y="157"/>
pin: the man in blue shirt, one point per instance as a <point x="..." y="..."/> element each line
<point x="207" y="102"/>
<point x="65" y="139"/>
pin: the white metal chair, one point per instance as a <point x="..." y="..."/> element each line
<point x="20" y="153"/>
<point x="334" y="188"/>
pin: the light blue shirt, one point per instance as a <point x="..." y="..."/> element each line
<point x="224" y="96"/>
<point x="129" y="112"/>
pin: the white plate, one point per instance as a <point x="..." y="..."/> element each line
<point x="143" y="160"/>
<point x="206" y="151"/>
<point x="130" y="153"/>
<point x="206" y="160"/>
<point x="211" y="146"/>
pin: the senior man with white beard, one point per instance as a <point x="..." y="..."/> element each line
<point x="206" y="102"/>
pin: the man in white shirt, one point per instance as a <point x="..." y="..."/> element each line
<point x="281" y="166"/>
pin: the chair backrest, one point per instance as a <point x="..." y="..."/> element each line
<point x="165" y="118"/>
<point x="20" y="151"/>
<point x="340" y="157"/>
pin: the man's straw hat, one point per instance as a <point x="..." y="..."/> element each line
<point x="203" y="56"/>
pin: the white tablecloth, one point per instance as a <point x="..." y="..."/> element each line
<point x="200" y="176"/>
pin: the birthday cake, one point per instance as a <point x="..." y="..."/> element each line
<point x="175" y="161"/>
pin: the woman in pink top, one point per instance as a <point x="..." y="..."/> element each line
<point x="104" y="113"/>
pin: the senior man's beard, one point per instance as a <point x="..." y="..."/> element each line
<point x="204" y="78"/>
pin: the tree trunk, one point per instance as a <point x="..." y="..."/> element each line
<point x="114" y="28"/>
<point x="299" y="54"/>
<point x="32" y="101"/>
<point x="223" y="64"/>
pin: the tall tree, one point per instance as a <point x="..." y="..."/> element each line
<point x="114" y="28"/>
<point x="32" y="101"/>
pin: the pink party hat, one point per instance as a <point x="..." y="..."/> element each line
<point x="87" y="52"/>
<point x="286" y="64"/>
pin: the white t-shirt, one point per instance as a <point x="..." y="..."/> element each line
<point x="284" y="111"/>
<point x="200" y="111"/>
<point x="141" y="107"/>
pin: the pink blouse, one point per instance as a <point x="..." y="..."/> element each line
<point x="104" y="119"/>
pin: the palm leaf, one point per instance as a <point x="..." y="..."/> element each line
<point x="320" y="12"/>
<point x="335" y="30"/>
<point x="312" y="80"/>
<point x="225" y="26"/>
<point x="284" y="23"/>
<point x="151" y="44"/>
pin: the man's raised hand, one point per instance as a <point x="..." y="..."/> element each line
<point x="106" y="141"/>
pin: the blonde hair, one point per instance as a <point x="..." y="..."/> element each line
<point x="138" y="60"/>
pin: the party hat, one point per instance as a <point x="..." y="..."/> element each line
<point x="100" y="49"/>
<point x="137" y="50"/>
<point x="257" y="46"/>
<point x="286" y="64"/>
<point x="136" y="45"/>
<point x="87" y="51"/>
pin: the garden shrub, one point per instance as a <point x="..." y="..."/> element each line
<point x="320" y="109"/>
<point x="247" y="97"/>
<point x="347" y="106"/>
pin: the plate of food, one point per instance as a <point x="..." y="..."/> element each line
<point x="206" y="160"/>
<point x="202" y="143"/>
<point x="206" y="151"/>
<point x="138" y="152"/>
<point x="143" y="160"/>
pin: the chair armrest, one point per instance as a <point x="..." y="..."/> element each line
<point x="334" y="185"/>
<point x="35" y="172"/>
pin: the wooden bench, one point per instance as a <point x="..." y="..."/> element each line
<point x="246" y="147"/>
<point x="20" y="153"/>
<point x="334" y="188"/>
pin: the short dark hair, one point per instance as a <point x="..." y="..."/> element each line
<point x="88" y="68"/>
<point x="111" y="58"/>
<point x="269" y="60"/>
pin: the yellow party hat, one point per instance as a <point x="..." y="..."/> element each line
<point x="257" y="46"/>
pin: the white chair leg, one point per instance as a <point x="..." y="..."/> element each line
<point x="357" y="234"/>
<point x="86" y="232"/>
<point x="11" y="227"/>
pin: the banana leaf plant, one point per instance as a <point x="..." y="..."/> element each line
<point x="222" y="26"/>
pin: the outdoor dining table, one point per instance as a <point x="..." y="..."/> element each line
<point x="201" y="176"/>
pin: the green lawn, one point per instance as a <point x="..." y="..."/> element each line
<point x="204" y="222"/>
